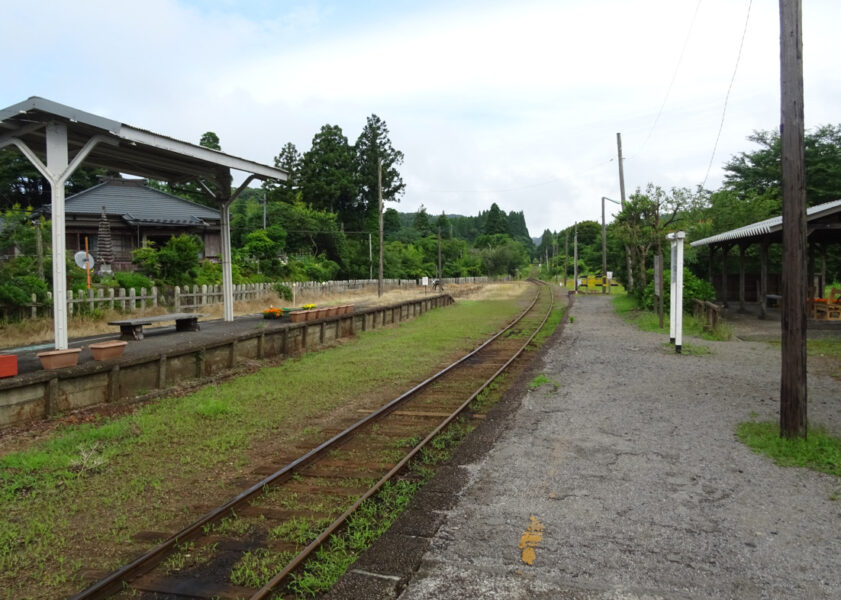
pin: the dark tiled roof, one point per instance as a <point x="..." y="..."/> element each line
<point x="138" y="204"/>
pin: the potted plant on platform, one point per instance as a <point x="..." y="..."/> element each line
<point x="56" y="359"/>
<point x="272" y="313"/>
<point x="107" y="350"/>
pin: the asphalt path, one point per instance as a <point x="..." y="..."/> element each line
<point x="621" y="479"/>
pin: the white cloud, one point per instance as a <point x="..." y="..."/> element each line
<point x="514" y="103"/>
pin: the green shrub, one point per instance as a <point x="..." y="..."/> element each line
<point x="284" y="291"/>
<point x="130" y="279"/>
<point x="693" y="287"/>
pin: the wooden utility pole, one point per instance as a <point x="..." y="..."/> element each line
<point x="794" y="287"/>
<point x="622" y="198"/>
<point x="575" y="259"/>
<point x="440" y="273"/>
<point x="380" y="197"/>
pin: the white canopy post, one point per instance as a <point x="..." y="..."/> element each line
<point x="223" y="194"/>
<point x="57" y="170"/>
<point x="57" y="160"/>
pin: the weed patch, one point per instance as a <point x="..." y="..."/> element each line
<point x="628" y="308"/>
<point x="819" y="452"/>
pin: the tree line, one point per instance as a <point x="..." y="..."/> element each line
<point x="321" y="223"/>
<point x="750" y="192"/>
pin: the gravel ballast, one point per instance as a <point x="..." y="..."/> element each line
<point x="628" y="471"/>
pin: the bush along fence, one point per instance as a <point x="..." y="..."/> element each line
<point x="192" y="297"/>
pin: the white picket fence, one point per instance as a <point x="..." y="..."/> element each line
<point x="186" y="298"/>
<point x="122" y="299"/>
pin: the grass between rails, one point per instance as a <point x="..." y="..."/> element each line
<point x="820" y="451"/>
<point x="78" y="499"/>
<point x="629" y="309"/>
<point x="377" y="514"/>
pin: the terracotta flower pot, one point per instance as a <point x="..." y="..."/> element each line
<point x="106" y="350"/>
<point x="56" y="359"/>
<point x="8" y="365"/>
<point x="298" y="315"/>
<point x="333" y="311"/>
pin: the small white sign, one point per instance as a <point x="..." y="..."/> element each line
<point x="425" y="281"/>
<point x="610" y="275"/>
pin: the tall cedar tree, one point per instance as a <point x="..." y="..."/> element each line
<point x="328" y="176"/>
<point x="372" y="145"/>
<point x="288" y="160"/>
<point x="496" y="222"/>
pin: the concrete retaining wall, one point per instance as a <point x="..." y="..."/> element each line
<point x="44" y="394"/>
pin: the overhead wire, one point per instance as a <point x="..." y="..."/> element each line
<point x="727" y="96"/>
<point x="674" y="77"/>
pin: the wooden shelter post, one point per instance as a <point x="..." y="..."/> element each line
<point x="742" y="249"/>
<point x="763" y="278"/>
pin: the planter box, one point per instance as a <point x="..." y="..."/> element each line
<point x="333" y="311"/>
<point x="56" y="359"/>
<point x="8" y="365"/>
<point x="298" y="315"/>
<point x="311" y="315"/>
<point x="106" y="350"/>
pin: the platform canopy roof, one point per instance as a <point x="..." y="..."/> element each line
<point x="823" y="223"/>
<point x="57" y="139"/>
<point x="131" y="150"/>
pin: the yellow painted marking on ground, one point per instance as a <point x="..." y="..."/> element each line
<point x="531" y="537"/>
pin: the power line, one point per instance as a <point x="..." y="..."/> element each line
<point x="674" y="76"/>
<point x="727" y="96"/>
<point x="518" y="188"/>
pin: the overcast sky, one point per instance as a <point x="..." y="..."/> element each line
<point x="514" y="102"/>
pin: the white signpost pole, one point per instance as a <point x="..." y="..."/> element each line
<point x="672" y="285"/>
<point x="679" y="237"/>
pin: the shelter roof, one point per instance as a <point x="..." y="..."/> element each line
<point x="138" y="204"/>
<point x="133" y="151"/>
<point x="829" y="211"/>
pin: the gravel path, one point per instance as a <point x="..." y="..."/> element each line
<point x="633" y="483"/>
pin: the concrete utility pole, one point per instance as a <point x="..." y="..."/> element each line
<point x="794" y="285"/>
<point x="380" y="197"/>
<point x="622" y="198"/>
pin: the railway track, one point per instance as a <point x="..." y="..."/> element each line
<point x="249" y="547"/>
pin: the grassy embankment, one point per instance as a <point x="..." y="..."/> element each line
<point x="75" y="501"/>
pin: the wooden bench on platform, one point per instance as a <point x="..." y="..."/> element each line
<point x="132" y="329"/>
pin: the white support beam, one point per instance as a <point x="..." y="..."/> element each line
<point x="58" y="169"/>
<point x="227" y="273"/>
<point x="57" y="164"/>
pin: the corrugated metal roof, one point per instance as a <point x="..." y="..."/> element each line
<point x="124" y="148"/>
<point x="769" y="225"/>
<point x="137" y="204"/>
